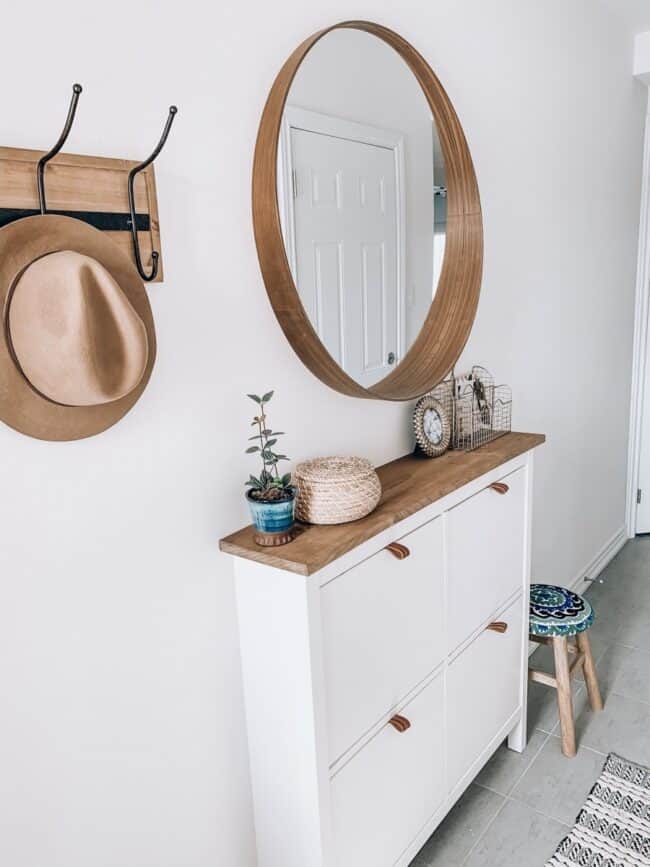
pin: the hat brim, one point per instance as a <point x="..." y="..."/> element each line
<point x="21" y="406"/>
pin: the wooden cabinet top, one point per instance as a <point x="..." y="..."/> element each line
<point x="408" y="485"/>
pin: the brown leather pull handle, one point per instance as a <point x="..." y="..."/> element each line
<point x="497" y="626"/>
<point x="398" y="550"/>
<point x="499" y="487"/>
<point x="399" y="723"/>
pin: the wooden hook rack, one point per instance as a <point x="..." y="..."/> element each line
<point x="92" y="189"/>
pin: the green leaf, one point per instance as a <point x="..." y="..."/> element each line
<point x="286" y="479"/>
<point x="256" y="437"/>
<point x="255" y="397"/>
<point x="267" y="397"/>
<point x="271" y="443"/>
<point x="252" y="449"/>
<point x="254" y="483"/>
<point x="281" y="457"/>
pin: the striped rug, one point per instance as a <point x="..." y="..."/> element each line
<point x="613" y="827"/>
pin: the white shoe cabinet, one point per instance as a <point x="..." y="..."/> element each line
<point x="377" y="686"/>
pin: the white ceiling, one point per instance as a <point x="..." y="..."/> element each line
<point x="635" y="14"/>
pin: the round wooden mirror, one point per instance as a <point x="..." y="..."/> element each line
<point x="367" y="214"/>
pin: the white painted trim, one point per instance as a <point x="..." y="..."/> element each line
<point x="599" y="562"/>
<point x="285" y="191"/>
<point x="640" y="350"/>
<point x="295" y="117"/>
<point x="592" y="570"/>
<point x="328" y="124"/>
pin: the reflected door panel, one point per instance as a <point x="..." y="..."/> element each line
<point x="345" y="227"/>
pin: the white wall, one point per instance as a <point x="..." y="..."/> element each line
<point x="121" y="725"/>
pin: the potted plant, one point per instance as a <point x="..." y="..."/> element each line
<point x="271" y="496"/>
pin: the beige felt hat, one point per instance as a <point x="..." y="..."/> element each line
<point x="78" y="341"/>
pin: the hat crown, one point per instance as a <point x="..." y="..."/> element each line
<point x="73" y="331"/>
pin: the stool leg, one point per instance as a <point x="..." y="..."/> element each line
<point x="591" y="679"/>
<point x="564" y="702"/>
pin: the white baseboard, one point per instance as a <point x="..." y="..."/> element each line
<point x="606" y="554"/>
<point x="593" y="569"/>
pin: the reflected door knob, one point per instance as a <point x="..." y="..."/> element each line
<point x="391" y="358"/>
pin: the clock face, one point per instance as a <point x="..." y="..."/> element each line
<point x="432" y="426"/>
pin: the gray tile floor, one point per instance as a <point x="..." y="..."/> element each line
<point x="521" y="806"/>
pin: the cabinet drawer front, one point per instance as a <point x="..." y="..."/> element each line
<point x="386" y="793"/>
<point x="382" y="634"/>
<point x="483" y="691"/>
<point x="485" y="555"/>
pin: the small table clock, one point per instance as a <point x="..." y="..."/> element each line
<point x="432" y="426"/>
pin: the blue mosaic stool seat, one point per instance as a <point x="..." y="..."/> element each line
<point x="556" y="615"/>
<point x="557" y="611"/>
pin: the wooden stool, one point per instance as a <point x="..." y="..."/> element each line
<point x="557" y="614"/>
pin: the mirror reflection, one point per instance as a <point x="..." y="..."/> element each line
<point x="363" y="200"/>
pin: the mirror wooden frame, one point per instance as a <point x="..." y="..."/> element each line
<point x="451" y="315"/>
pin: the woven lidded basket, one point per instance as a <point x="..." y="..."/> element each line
<point x="336" y="490"/>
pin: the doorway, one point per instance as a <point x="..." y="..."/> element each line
<point x="342" y="205"/>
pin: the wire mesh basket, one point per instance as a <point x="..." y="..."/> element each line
<point x="482" y="411"/>
<point x="444" y="394"/>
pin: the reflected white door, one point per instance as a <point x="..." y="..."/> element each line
<point x="345" y="227"/>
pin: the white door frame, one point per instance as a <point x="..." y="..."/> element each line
<point x="640" y="345"/>
<point x="314" y="121"/>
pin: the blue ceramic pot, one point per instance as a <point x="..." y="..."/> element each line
<point x="273" y="517"/>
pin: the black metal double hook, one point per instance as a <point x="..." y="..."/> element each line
<point x="131" y="183"/>
<point x="44" y="160"/>
<point x="132" y="222"/>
